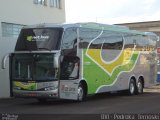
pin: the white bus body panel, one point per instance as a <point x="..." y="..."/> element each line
<point x="68" y="89"/>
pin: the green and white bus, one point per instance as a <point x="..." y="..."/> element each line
<point x="72" y="61"/>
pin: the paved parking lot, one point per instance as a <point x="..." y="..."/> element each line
<point x="98" y="104"/>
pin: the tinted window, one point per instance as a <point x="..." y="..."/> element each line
<point x="138" y="40"/>
<point x="87" y="35"/>
<point x="69" y="44"/>
<point x="33" y="67"/>
<point x="69" y="68"/>
<point x="108" y="43"/>
<point x="111" y="45"/>
<point x="39" y="39"/>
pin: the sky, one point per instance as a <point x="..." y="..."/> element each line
<point x="112" y="11"/>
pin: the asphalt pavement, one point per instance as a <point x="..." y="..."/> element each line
<point x="94" y="106"/>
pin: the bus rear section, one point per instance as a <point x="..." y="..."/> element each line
<point x="116" y="58"/>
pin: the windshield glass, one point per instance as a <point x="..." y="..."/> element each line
<point x="33" y="67"/>
<point x="39" y="39"/>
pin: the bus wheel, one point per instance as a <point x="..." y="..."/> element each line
<point x="132" y="87"/>
<point x="81" y="92"/>
<point x="139" y="87"/>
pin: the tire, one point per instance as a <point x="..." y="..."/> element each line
<point x="81" y="93"/>
<point x="132" y="87"/>
<point x="139" y="87"/>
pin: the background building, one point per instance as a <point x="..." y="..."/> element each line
<point x="149" y="26"/>
<point x="14" y="14"/>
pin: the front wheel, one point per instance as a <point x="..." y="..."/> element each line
<point x="81" y="93"/>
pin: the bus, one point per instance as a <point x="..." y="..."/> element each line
<point x="72" y="61"/>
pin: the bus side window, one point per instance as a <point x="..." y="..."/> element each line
<point x="69" y="43"/>
<point x="70" y="68"/>
<point x="86" y="36"/>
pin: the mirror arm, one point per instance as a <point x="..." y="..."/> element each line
<point x="56" y="61"/>
<point x="4" y="61"/>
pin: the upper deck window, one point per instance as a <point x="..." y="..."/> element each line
<point x="69" y="43"/>
<point x="39" y="39"/>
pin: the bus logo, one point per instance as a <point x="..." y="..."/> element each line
<point x="29" y="38"/>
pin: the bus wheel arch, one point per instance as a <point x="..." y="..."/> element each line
<point x="82" y="90"/>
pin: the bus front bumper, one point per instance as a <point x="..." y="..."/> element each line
<point x="35" y="94"/>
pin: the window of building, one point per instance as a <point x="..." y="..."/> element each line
<point x="40" y="2"/>
<point x="10" y="29"/>
<point x="55" y="3"/>
<point x="35" y="1"/>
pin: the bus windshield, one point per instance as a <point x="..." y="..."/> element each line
<point x="33" y="66"/>
<point x="39" y="39"/>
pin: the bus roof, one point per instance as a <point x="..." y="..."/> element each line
<point x="90" y="25"/>
<point x="52" y="25"/>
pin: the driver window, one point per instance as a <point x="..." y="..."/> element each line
<point x="69" y="68"/>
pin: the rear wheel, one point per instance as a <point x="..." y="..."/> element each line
<point x="132" y="87"/>
<point x="139" y="87"/>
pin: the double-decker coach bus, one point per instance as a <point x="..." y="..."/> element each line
<point x="72" y="61"/>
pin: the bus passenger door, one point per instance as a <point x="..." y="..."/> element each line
<point x="69" y="77"/>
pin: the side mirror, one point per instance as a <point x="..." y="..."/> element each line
<point x="157" y="38"/>
<point x="4" y="61"/>
<point x="56" y="61"/>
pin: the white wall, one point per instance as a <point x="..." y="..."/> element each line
<point x="6" y="46"/>
<point x="26" y="13"/>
